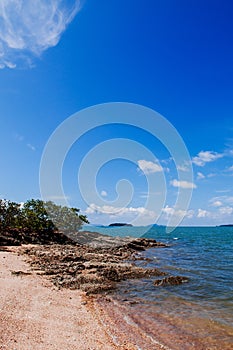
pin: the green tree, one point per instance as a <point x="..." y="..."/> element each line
<point x="10" y="215"/>
<point x="35" y="216"/>
<point x="41" y="216"/>
<point x="65" y="219"/>
<point x="38" y="216"/>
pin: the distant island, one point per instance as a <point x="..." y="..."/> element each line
<point x="227" y="225"/>
<point x="118" y="224"/>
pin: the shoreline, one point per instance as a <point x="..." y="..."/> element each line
<point x="90" y="275"/>
<point x="47" y="289"/>
<point x="36" y="314"/>
<point x="93" y="268"/>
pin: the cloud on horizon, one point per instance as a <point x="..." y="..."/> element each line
<point x="203" y="213"/>
<point x="115" y="211"/>
<point x="28" y="28"/>
<point x="169" y="211"/>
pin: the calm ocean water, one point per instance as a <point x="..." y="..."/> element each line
<point x="205" y="303"/>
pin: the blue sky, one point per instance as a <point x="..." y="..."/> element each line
<point x="174" y="57"/>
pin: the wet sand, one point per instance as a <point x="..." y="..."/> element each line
<point x="153" y="329"/>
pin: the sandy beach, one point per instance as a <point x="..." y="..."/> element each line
<point x="37" y="315"/>
<point x="63" y="297"/>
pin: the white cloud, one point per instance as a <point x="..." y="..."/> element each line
<point x="31" y="27"/>
<point x="204" y="157"/>
<point x="218" y="216"/>
<point x="203" y="213"/>
<point x="103" y="193"/>
<point x="200" y="176"/>
<point x="149" y="167"/>
<point x="169" y="211"/>
<point x="183" y="184"/>
<point x="217" y="204"/>
<point x="116" y="211"/>
<point x="225" y="200"/>
<point x="226" y="210"/>
<point x="184" y="167"/>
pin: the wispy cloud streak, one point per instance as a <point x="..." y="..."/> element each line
<point x="28" y="28"/>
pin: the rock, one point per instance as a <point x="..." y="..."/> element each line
<point x="144" y="243"/>
<point x="92" y="239"/>
<point x="93" y="270"/>
<point x="15" y="237"/>
<point x="171" y="280"/>
<point x="86" y="260"/>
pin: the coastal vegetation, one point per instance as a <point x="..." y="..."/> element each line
<point x="73" y="258"/>
<point x="36" y="221"/>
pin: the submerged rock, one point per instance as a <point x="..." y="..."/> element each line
<point x="171" y="280"/>
<point x="144" y="243"/>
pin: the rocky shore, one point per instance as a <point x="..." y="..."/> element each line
<point x="82" y="269"/>
<point x="88" y="261"/>
<point x="91" y="269"/>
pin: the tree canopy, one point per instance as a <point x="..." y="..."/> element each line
<point x="38" y="216"/>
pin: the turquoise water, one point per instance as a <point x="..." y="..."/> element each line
<point x="205" y="256"/>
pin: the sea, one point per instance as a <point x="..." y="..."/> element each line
<point x="197" y="314"/>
